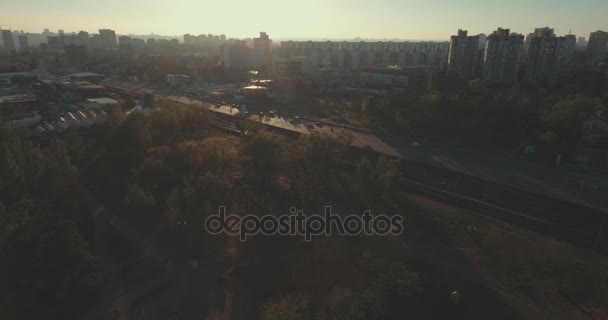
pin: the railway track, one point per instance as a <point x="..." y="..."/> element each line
<point x="576" y="223"/>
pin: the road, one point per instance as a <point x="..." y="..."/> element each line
<point x="569" y="221"/>
<point x="562" y="183"/>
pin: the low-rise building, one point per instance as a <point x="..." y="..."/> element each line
<point x="254" y="91"/>
<point x="592" y="150"/>
<point x="177" y="79"/>
<point x="17" y="106"/>
<point x="87" y="76"/>
<point x="28" y="121"/>
<point x="417" y="78"/>
<point x="95" y="103"/>
<point x="288" y="68"/>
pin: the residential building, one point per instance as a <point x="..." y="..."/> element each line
<point x="501" y="56"/>
<point x="358" y="55"/>
<point x="177" y="79"/>
<point x="55" y="43"/>
<point x="9" y="42"/>
<point x="463" y="55"/>
<point x="263" y="44"/>
<point x="482" y="40"/>
<point x="537" y="32"/>
<point x="288" y="68"/>
<point x="23" y="41"/>
<point x="544" y="56"/>
<point x="108" y="39"/>
<point x="597" y="46"/>
<point x="581" y="43"/>
<point x="76" y="53"/>
<point x="94" y="42"/>
<point x="418" y="78"/>
<point x="124" y="40"/>
<point x="83" y="38"/>
<point x="569" y="48"/>
<point x="289" y="73"/>
<point x="235" y="55"/>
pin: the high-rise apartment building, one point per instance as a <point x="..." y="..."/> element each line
<point x="597" y="46"/>
<point x="501" y="56"/>
<point x="537" y="32"/>
<point x="235" y="55"/>
<point x="357" y="55"/>
<point x="569" y="48"/>
<point x="482" y="40"/>
<point x="581" y="42"/>
<point x="94" y="42"/>
<point x="23" y="41"/>
<point x="9" y="42"/>
<point x="204" y="40"/>
<point x="544" y="56"/>
<point x="190" y="40"/>
<point x="76" y="53"/>
<point x="463" y="55"/>
<point x="108" y="39"/>
<point x="83" y="38"/>
<point x="124" y="40"/>
<point x="263" y="44"/>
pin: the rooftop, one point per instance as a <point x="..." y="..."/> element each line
<point x="85" y="75"/>
<point x="395" y="69"/>
<point x="17" y="98"/>
<point x="254" y="88"/>
<point x="82" y="85"/>
<point x="104" y="100"/>
<point x="12" y="74"/>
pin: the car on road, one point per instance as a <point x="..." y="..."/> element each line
<point x="415" y="144"/>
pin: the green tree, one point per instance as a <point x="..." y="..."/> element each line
<point x="262" y="151"/>
<point x="341" y="304"/>
<point x="287" y="307"/>
<point x="387" y="172"/>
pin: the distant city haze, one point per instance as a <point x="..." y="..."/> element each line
<point x="319" y="19"/>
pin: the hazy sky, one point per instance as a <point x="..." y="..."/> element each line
<point x="406" y="19"/>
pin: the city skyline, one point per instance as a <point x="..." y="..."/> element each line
<point x="339" y="19"/>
